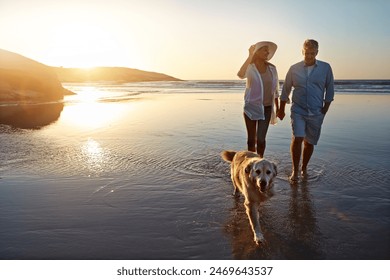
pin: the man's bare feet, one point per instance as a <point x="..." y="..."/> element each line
<point x="304" y="172"/>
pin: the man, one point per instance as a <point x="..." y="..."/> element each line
<point x="313" y="92"/>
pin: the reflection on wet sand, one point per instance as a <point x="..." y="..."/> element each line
<point x="241" y="235"/>
<point x="30" y="116"/>
<point x="304" y="234"/>
<point x="289" y="233"/>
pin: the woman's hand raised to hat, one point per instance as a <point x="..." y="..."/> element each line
<point x="252" y="50"/>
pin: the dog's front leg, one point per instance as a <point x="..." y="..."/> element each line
<point x="252" y="211"/>
<point x="233" y="177"/>
<point x="234" y="187"/>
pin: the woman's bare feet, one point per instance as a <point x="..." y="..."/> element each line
<point x="294" y="177"/>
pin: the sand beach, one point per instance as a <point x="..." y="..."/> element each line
<point x="133" y="171"/>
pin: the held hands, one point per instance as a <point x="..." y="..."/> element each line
<point x="324" y="109"/>
<point x="280" y="114"/>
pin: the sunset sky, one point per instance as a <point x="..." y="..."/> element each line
<point x="198" y="39"/>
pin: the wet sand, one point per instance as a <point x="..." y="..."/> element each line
<point x="143" y="179"/>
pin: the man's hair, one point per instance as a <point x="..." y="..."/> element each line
<point x="310" y="44"/>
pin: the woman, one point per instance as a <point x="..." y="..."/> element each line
<point x="261" y="94"/>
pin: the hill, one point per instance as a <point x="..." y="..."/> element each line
<point x="24" y="79"/>
<point x="109" y="74"/>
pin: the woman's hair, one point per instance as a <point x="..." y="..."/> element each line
<point x="310" y="44"/>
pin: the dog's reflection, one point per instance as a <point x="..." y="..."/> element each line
<point x="240" y="233"/>
<point x="289" y="225"/>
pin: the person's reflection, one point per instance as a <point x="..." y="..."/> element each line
<point x="30" y="116"/>
<point x="304" y="236"/>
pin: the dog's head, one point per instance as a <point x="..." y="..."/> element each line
<point x="261" y="172"/>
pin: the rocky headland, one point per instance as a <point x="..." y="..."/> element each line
<point x="26" y="80"/>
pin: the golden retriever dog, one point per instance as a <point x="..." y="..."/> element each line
<point x="252" y="176"/>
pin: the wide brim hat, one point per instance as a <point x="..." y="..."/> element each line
<point x="271" y="47"/>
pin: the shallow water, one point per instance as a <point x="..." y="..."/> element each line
<point x="139" y="176"/>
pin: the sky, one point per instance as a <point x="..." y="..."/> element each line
<point x="199" y="39"/>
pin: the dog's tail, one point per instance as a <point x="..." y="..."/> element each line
<point x="228" y="155"/>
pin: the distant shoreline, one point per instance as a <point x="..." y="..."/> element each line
<point x="360" y="87"/>
<point x="109" y="74"/>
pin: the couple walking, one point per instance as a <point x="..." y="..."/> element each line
<point x="313" y="91"/>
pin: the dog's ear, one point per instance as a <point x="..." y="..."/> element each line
<point x="248" y="168"/>
<point x="275" y="168"/>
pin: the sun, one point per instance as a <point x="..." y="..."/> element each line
<point x="83" y="45"/>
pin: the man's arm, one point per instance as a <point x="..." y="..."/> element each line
<point x="329" y="93"/>
<point x="329" y="86"/>
<point x="284" y="97"/>
<point x="280" y="113"/>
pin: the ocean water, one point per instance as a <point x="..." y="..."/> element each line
<point x="133" y="171"/>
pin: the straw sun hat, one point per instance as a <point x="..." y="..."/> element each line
<point x="271" y="47"/>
